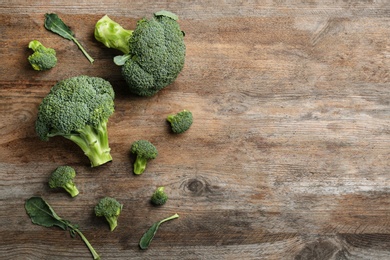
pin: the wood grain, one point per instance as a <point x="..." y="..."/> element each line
<point x="288" y="156"/>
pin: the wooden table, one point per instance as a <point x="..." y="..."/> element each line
<point x="288" y="156"/>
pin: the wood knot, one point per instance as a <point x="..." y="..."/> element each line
<point x="196" y="186"/>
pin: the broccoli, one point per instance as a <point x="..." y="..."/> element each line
<point x="154" y="51"/>
<point x="144" y="150"/>
<point x="109" y="208"/>
<point x="78" y="109"/>
<point x="63" y="177"/>
<point x="159" y="196"/>
<point x="43" y="58"/>
<point x="181" y="121"/>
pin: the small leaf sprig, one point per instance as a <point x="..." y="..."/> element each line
<point x="54" y="24"/>
<point x="42" y="214"/>
<point x="148" y="236"/>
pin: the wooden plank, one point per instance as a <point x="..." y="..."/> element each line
<point x="288" y="156"/>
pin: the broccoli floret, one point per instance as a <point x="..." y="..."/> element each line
<point x="78" y="109"/>
<point x="43" y="58"/>
<point x="109" y="208"/>
<point x="181" y="121"/>
<point x="63" y="177"/>
<point x="159" y="196"/>
<point x="154" y="51"/>
<point x="145" y="151"/>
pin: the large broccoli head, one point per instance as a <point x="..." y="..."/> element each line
<point x="43" y="58"/>
<point x="78" y="109"/>
<point x="156" y="51"/>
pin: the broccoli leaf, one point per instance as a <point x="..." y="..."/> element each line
<point x="41" y="213"/>
<point x="54" y="24"/>
<point x="148" y="236"/>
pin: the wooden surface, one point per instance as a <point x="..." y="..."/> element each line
<point x="288" y="156"/>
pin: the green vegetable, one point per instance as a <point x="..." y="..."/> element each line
<point x="109" y="208"/>
<point x="181" y="121"/>
<point x="147" y="238"/>
<point x="154" y="52"/>
<point x="43" y="58"/>
<point x="41" y="213"/>
<point x="159" y="196"/>
<point x="78" y="109"/>
<point x="63" y="177"/>
<point x="54" y="24"/>
<point x="145" y="151"/>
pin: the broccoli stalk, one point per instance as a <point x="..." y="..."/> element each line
<point x="78" y="109"/>
<point x="154" y="52"/>
<point x="94" y="143"/>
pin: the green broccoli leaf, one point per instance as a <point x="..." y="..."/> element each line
<point x="54" y="24"/>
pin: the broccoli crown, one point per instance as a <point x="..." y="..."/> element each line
<point x="159" y="196"/>
<point x="181" y="121"/>
<point x="157" y="53"/>
<point x="63" y="177"/>
<point x="108" y="207"/>
<point x="43" y="58"/>
<point x="78" y="108"/>
<point x="144" y="149"/>
<point x="74" y="103"/>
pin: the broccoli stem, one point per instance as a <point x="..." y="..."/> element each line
<point x="94" y="142"/>
<point x="72" y="189"/>
<point x="91" y="249"/>
<point x="140" y="165"/>
<point x="113" y="222"/>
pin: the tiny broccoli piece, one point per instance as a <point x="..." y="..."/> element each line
<point x="63" y="177"/>
<point x="144" y="150"/>
<point x="181" y="121"/>
<point x="109" y="208"/>
<point x="154" y="52"/>
<point x="78" y="109"/>
<point x="159" y="196"/>
<point x="43" y="58"/>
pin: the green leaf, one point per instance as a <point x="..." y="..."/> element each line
<point x="42" y="214"/>
<point x="148" y="236"/>
<point x="167" y="14"/>
<point x="54" y="24"/>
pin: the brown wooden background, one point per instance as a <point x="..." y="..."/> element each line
<point x="288" y="156"/>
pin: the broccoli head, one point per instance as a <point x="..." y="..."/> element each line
<point x="78" y="109"/>
<point x="43" y="58"/>
<point x="159" y="196"/>
<point x="145" y="151"/>
<point x="109" y="208"/>
<point x="181" y="121"/>
<point x="154" y="51"/>
<point x="63" y="177"/>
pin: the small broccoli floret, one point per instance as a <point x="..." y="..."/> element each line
<point x="78" y="109"/>
<point x="159" y="196"/>
<point x="181" y="121"/>
<point x="145" y="151"/>
<point x="63" y="177"/>
<point x="154" y="51"/>
<point x="43" y="58"/>
<point x="109" y="208"/>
